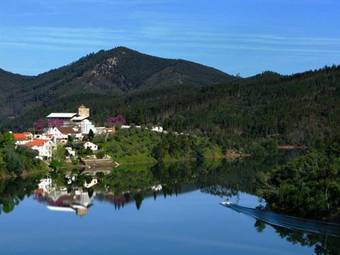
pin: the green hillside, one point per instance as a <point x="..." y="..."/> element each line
<point x="298" y="109"/>
<point x="114" y="72"/>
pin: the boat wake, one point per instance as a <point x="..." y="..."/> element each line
<point x="289" y="222"/>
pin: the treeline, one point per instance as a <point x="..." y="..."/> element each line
<point x="17" y="160"/>
<point x="308" y="186"/>
<point x="141" y="145"/>
<point x="301" y="109"/>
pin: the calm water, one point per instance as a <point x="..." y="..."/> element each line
<point x="179" y="216"/>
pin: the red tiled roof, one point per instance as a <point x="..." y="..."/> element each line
<point x="36" y="142"/>
<point x="22" y="136"/>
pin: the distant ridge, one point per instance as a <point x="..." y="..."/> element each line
<point x="116" y="71"/>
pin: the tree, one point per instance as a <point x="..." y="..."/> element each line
<point x="90" y="136"/>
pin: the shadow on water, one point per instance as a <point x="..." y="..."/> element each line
<point x="323" y="236"/>
<point x="323" y="244"/>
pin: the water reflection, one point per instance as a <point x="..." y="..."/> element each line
<point x="78" y="192"/>
<point x="322" y="244"/>
<point x="15" y="190"/>
<point x="59" y="198"/>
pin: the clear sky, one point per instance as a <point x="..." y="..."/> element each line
<point x="236" y="36"/>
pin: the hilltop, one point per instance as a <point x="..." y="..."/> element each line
<point x="114" y="72"/>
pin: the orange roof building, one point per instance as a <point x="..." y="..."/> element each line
<point x="36" y="143"/>
<point x="22" y="136"/>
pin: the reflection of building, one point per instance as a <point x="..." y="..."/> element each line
<point x="59" y="199"/>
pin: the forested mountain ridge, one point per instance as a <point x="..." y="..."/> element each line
<point x="112" y="72"/>
<point x="296" y="109"/>
<point x="10" y="84"/>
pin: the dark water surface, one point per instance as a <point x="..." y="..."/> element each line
<point x="181" y="215"/>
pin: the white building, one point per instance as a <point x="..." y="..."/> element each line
<point x="56" y="133"/>
<point x="70" y="152"/>
<point x="158" y="129"/>
<point x="60" y="119"/>
<point x="86" y="126"/>
<point x="78" y="121"/>
<point x="43" y="147"/>
<point x="91" y="146"/>
<point x="61" y="134"/>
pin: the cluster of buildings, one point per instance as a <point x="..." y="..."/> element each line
<point x="61" y="126"/>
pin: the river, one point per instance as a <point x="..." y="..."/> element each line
<point x="158" y="210"/>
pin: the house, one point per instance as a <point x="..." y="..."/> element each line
<point x="70" y="152"/>
<point x="61" y="134"/>
<point x="43" y="147"/>
<point x="91" y="146"/>
<point x="22" y="138"/>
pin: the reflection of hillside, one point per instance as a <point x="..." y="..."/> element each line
<point x="134" y="183"/>
<point x="229" y="178"/>
<point x="289" y="222"/>
<point x="323" y="244"/>
<point x="323" y="236"/>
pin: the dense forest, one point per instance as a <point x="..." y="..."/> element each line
<point x="298" y="109"/>
<point x="308" y="186"/>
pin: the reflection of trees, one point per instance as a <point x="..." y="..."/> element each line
<point x="323" y="245"/>
<point x="127" y="185"/>
<point x="231" y="177"/>
<point x="13" y="191"/>
<point x="134" y="183"/>
<point x="138" y="197"/>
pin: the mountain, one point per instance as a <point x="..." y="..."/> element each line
<point x="296" y="109"/>
<point x="114" y="72"/>
<point x="300" y="109"/>
<point x="10" y="84"/>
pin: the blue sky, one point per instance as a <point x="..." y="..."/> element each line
<point x="245" y="37"/>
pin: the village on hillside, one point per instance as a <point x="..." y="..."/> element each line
<point x="63" y="128"/>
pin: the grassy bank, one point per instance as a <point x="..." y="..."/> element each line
<point x="143" y="146"/>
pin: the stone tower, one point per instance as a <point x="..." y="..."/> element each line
<point x="83" y="111"/>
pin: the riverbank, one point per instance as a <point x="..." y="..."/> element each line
<point x="307" y="186"/>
